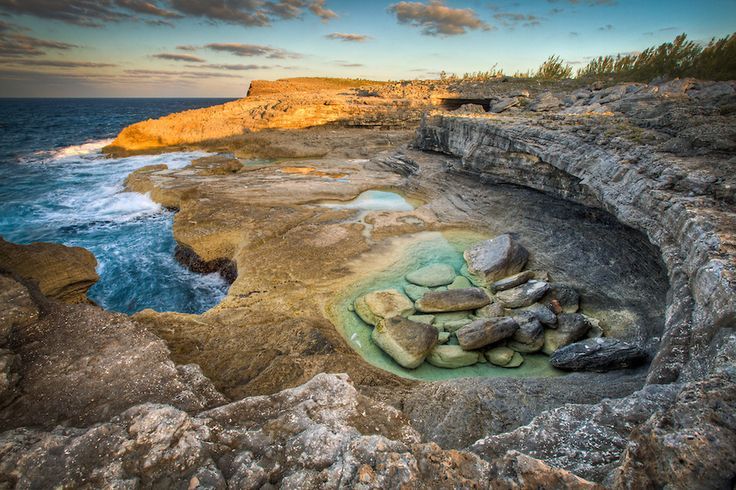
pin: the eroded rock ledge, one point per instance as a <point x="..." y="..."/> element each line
<point x="652" y="191"/>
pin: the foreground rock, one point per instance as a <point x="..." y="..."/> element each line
<point x="407" y="342"/>
<point x="486" y="331"/>
<point x="453" y="300"/>
<point x="63" y="273"/>
<point x="377" y="305"/>
<point x="496" y="259"/>
<point x="600" y="354"/>
<point x="432" y="275"/>
<point x="512" y="281"/>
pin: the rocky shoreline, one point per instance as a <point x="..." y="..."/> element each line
<point x="631" y="206"/>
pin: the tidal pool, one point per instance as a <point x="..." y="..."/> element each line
<point x="415" y="252"/>
<point x="374" y="200"/>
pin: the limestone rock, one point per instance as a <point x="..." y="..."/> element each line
<point x="428" y="319"/>
<point x="443" y="338"/>
<point x="415" y="292"/>
<point x="512" y="281"/>
<point x="504" y="104"/>
<point x="62" y="273"/>
<point x="545" y="102"/>
<point x="524" y="295"/>
<point x="515" y="361"/>
<point x="486" y="331"/>
<point x="470" y="109"/>
<point x="460" y="282"/>
<point x="453" y="326"/>
<point x="432" y="275"/>
<point x="499" y="356"/>
<point x="451" y="357"/>
<point x="491" y="311"/>
<point x="601" y="354"/>
<point x="567" y="297"/>
<point x="571" y="327"/>
<point x="442" y="319"/>
<point x="17" y="308"/>
<point x="377" y="305"/>
<point x="453" y="300"/>
<point x="407" y="342"/>
<point x="496" y="258"/>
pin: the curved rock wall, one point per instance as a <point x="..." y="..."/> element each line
<point x="650" y="191"/>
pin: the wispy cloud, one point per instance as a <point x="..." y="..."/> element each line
<point x="437" y="19"/>
<point x="57" y="63"/>
<point x="607" y="27"/>
<point x="592" y="3"/>
<point x="341" y="36"/>
<point x="348" y="64"/>
<point x="252" y="50"/>
<point x="511" y="20"/>
<point x="179" y="57"/>
<point x="232" y="67"/>
<point x="14" y="44"/>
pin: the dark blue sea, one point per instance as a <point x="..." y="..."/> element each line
<point x="55" y="186"/>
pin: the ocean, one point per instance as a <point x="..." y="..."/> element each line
<point x="56" y="186"/>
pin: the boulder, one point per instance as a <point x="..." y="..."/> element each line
<point x="460" y="282"/>
<point x="524" y="295"/>
<point x="451" y="357"/>
<point x="512" y="281"/>
<point x="470" y="109"/>
<point x="415" y="292"/>
<point x="516" y="361"/>
<point x="443" y="337"/>
<point x="499" y="356"/>
<point x="454" y="325"/>
<point x="491" y="311"/>
<point x="486" y="331"/>
<point x="599" y="355"/>
<point x="495" y="259"/>
<point x="407" y="342"/>
<point x="377" y="305"/>
<point x="530" y="335"/>
<point x="543" y="313"/>
<point x="453" y="300"/>
<point x="567" y="298"/>
<point x="504" y="104"/>
<point x="545" y="102"/>
<point x="442" y="319"/>
<point x="571" y="327"/>
<point x="427" y="319"/>
<point x="432" y="275"/>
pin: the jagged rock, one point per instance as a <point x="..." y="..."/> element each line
<point x="687" y="444"/>
<point x="17" y="308"/>
<point x="496" y="258"/>
<point x="460" y="282"/>
<point x="512" y="281"/>
<point x="524" y="295"/>
<point x="545" y="102"/>
<point x="470" y="109"/>
<point x="451" y="357"/>
<point x="453" y="300"/>
<point x="504" y="104"/>
<point x="567" y="297"/>
<point x="499" y="356"/>
<point x="543" y="313"/>
<point x="415" y="292"/>
<point x="530" y="335"/>
<point x="9" y="376"/>
<point x="600" y="355"/>
<point x="377" y="305"/>
<point x="62" y="273"/>
<point x="432" y="275"/>
<point x="571" y="327"/>
<point x="485" y="331"/>
<point x="407" y="342"/>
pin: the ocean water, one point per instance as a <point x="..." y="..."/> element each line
<point x="55" y="186"/>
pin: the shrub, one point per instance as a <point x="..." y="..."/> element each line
<point x="553" y="69"/>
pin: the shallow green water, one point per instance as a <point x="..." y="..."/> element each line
<point x="428" y="248"/>
<point x="374" y="200"/>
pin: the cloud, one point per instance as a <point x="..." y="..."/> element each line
<point x="592" y="3"/>
<point x="184" y="74"/>
<point x="437" y="19"/>
<point x="574" y="34"/>
<point x="95" y="13"/>
<point x="14" y="44"/>
<point x="607" y="27"/>
<point x="187" y="47"/>
<point x="233" y="67"/>
<point x="58" y="63"/>
<point x="348" y="64"/>
<point x="341" y="36"/>
<point x="179" y="57"/>
<point x="511" y="20"/>
<point x="252" y="50"/>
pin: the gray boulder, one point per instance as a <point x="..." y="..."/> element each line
<point x="486" y="331"/>
<point x="432" y="275"/>
<point x="524" y="295"/>
<point x="504" y="104"/>
<point x="530" y="335"/>
<point x="545" y="102"/>
<point x="512" y="281"/>
<point x="495" y="259"/>
<point x="566" y="297"/>
<point x="600" y="355"/>
<point x="571" y="327"/>
<point x="543" y="313"/>
<point x="407" y="342"/>
<point x="453" y="300"/>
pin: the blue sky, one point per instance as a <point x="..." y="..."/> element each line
<point x="83" y="48"/>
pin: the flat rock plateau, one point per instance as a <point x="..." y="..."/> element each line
<point x="623" y="194"/>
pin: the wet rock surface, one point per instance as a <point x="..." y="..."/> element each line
<point x="483" y="332"/>
<point x="497" y="258"/>
<point x="598" y="355"/>
<point x="453" y="300"/>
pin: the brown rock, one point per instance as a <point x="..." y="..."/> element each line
<point x="407" y="342"/>
<point x="484" y="332"/>
<point x="453" y="300"/>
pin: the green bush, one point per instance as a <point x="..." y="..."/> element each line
<point x="553" y="69"/>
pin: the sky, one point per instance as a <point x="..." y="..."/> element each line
<point x="214" y="48"/>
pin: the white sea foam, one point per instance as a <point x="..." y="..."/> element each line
<point x="89" y="148"/>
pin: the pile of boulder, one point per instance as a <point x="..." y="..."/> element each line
<point x="493" y="311"/>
